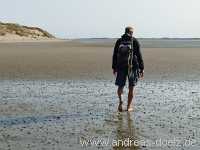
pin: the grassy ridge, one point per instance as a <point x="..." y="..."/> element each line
<point x="25" y="31"/>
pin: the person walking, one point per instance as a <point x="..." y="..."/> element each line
<point x="127" y="62"/>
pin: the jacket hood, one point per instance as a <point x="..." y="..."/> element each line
<point x="126" y="37"/>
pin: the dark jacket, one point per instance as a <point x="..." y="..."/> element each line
<point x="137" y="57"/>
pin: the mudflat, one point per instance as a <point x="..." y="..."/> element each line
<point x="61" y="95"/>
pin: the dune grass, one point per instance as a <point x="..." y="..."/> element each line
<point x="13" y="28"/>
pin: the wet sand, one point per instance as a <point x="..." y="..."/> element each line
<point x="59" y="95"/>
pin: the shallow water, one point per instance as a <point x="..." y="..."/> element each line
<point x="62" y="114"/>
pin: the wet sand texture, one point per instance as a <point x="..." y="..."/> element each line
<point x="55" y="95"/>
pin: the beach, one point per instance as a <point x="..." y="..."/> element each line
<point x="80" y="59"/>
<point x="61" y="95"/>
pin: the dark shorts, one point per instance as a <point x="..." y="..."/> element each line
<point x="122" y="75"/>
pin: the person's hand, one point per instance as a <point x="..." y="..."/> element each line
<point x="141" y="74"/>
<point x="114" y="72"/>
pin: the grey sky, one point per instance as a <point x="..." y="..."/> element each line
<point x="106" y="18"/>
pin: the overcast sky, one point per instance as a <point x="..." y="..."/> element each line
<point x="106" y="18"/>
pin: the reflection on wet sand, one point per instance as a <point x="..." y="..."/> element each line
<point x="56" y="114"/>
<point x="125" y="132"/>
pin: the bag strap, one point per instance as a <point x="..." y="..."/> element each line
<point x="130" y="59"/>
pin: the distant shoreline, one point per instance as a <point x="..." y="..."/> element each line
<point x="139" y="38"/>
<point x="82" y="39"/>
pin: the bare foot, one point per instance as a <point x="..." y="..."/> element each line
<point x="129" y="109"/>
<point x="120" y="107"/>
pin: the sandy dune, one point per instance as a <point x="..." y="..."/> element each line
<point x="16" y="32"/>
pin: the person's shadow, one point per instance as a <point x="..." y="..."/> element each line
<point x="125" y="134"/>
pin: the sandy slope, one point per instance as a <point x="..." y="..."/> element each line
<point x="10" y="38"/>
<point x="15" y="32"/>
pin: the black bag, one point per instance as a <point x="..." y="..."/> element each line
<point x="123" y="53"/>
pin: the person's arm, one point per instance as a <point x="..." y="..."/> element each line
<point x="139" y="55"/>
<point x="114" y="57"/>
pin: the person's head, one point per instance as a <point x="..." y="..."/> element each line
<point x="129" y="30"/>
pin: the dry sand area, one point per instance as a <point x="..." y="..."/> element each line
<point x="75" y="60"/>
<point x="61" y="96"/>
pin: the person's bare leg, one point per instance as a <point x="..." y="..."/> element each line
<point x="120" y="92"/>
<point x="130" y="98"/>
